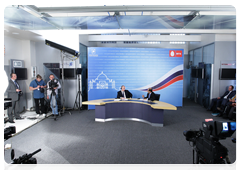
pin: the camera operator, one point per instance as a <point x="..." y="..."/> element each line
<point x="14" y="93"/>
<point x="52" y="93"/>
<point x="37" y="86"/>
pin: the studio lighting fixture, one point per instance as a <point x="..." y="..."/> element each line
<point x="62" y="48"/>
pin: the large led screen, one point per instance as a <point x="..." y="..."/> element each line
<point x="137" y="69"/>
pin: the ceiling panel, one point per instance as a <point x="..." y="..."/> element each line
<point x="19" y="18"/>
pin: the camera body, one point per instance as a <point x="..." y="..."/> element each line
<point x="53" y="84"/>
<point x="206" y="141"/>
<point x="210" y="151"/>
<point x="24" y="159"/>
<point x="9" y="131"/>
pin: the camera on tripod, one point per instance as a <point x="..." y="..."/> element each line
<point x="206" y="141"/>
<point x="53" y="84"/>
<point x="24" y="159"/>
<point x="9" y="131"/>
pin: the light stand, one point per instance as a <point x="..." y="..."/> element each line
<point x="79" y="93"/>
<point x="62" y="90"/>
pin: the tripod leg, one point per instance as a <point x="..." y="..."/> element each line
<point x="76" y="101"/>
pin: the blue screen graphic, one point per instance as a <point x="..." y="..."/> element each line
<point x="137" y="69"/>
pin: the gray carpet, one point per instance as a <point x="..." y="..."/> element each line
<point x="78" y="139"/>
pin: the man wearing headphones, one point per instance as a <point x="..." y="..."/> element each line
<point x="123" y="94"/>
<point x="150" y="95"/>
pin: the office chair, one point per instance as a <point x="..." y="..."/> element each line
<point x="157" y="97"/>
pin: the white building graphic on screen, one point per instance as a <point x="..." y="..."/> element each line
<point x="101" y="82"/>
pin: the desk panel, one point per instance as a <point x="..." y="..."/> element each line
<point x="129" y="111"/>
<point x="151" y="112"/>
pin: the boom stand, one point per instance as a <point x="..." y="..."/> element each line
<point x="79" y="94"/>
<point x="62" y="90"/>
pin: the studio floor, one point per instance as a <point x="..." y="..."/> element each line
<point x="77" y="139"/>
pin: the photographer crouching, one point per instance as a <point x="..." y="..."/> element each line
<point x="52" y="94"/>
<point x="37" y="86"/>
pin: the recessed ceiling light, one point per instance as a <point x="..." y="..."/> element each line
<point x="16" y="33"/>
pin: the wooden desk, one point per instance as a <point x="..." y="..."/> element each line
<point x="150" y="112"/>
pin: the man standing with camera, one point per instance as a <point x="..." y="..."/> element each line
<point x="52" y="93"/>
<point x="37" y="86"/>
<point x="14" y="93"/>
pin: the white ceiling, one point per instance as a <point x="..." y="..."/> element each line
<point x="21" y="34"/>
<point x="36" y="12"/>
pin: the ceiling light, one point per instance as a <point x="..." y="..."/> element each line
<point x="30" y="11"/>
<point x="177" y="34"/>
<point x="177" y="42"/>
<point x="80" y="14"/>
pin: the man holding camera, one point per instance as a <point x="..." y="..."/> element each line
<point x="52" y="93"/>
<point x="37" y="86"/>
<point x="14" y="93"/>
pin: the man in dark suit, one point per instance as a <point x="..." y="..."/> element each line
<point x="233" y="102"/>
<point x="217" y="102"/>
<point x="13" y="91"/>
<point x="150" y="95"/>
<point x="123" y="94"/>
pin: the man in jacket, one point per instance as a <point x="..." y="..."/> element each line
<point x="52" y="94"/>
<point x="217" y="102"/>
<point x="37" y="86"/>
<point x="150" y="95"/>
<point x="14" y="92"/>
<point x="123" y="94"/>
<point x="230" y="108"/>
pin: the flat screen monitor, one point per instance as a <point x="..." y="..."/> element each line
<point x="200" y="73"/>
<point x="194" y="73"/>
<point x="21" y="73"/>
<point x="69" y="73"/>
<point x="227" y="74"/>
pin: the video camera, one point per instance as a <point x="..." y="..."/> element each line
<point x="52" y="84"/>
<point x="206" y="141"/>
<point x="9" y="131"/>
<point x="24" y="159"/>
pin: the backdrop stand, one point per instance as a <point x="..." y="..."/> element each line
<point x="79" y="93"/>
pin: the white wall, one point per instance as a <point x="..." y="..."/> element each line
<point x="13" y="49"/>
<point x="20" y="49"/>
<point x="224" y="51"/>
<point x="206" y="39"/>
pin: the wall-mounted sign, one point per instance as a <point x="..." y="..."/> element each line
<point x="67" y="64"/>
<point x="17" y="63"/>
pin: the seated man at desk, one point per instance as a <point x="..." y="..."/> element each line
<point x="123" y="94"/>
<point x="150" y="95"/>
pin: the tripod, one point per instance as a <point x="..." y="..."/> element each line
<point x="53" y="103"/>
<point x="201" y="163"/>
<point x="79" y="94"/>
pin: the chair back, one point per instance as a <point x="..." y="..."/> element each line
<point x="157" y="97"/>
